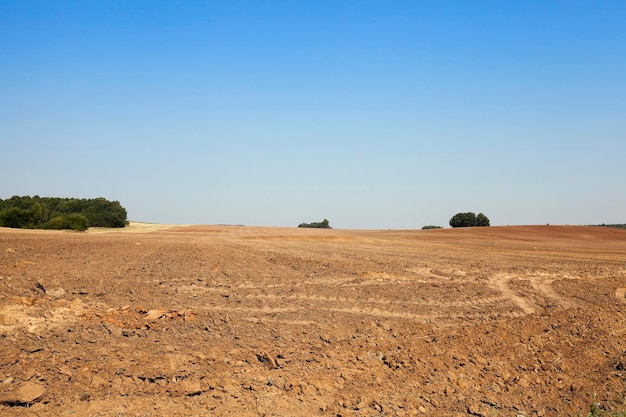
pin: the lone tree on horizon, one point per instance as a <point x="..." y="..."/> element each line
<point x="469" y="219"/>
<point x="324" y="224"/>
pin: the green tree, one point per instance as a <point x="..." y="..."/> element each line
<point x="324" y="224"/>
<point x="482" y="220"/>
<point x="463" y="220"/>
<point x="469" y="219"/>
<point x="38" y="214"/>
<point x="14" y="217"/>
<point x="76" y="222"/>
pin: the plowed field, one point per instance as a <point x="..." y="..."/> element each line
<point x="246" y="321"/>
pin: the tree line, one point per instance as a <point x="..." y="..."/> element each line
<point x="61" y="213"/>
<point x="614" y="226"/>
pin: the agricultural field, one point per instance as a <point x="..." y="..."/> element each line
<point x="155" y="320"/>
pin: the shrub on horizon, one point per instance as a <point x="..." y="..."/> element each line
<point x="324" y="224"/>
<point x="469" y="219"/>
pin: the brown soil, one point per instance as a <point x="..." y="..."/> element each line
<point x="247" y="321"/>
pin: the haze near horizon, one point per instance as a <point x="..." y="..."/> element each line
<point x="373" y="115"/>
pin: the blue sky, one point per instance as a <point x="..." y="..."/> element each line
<point x="371" y="114"/>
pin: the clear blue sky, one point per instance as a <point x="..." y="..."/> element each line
<point x="372" y="114"/>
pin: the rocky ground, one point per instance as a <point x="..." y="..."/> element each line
<point x="249" y="321"/>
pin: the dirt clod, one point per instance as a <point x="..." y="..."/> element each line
<point x="25" y="395"/>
